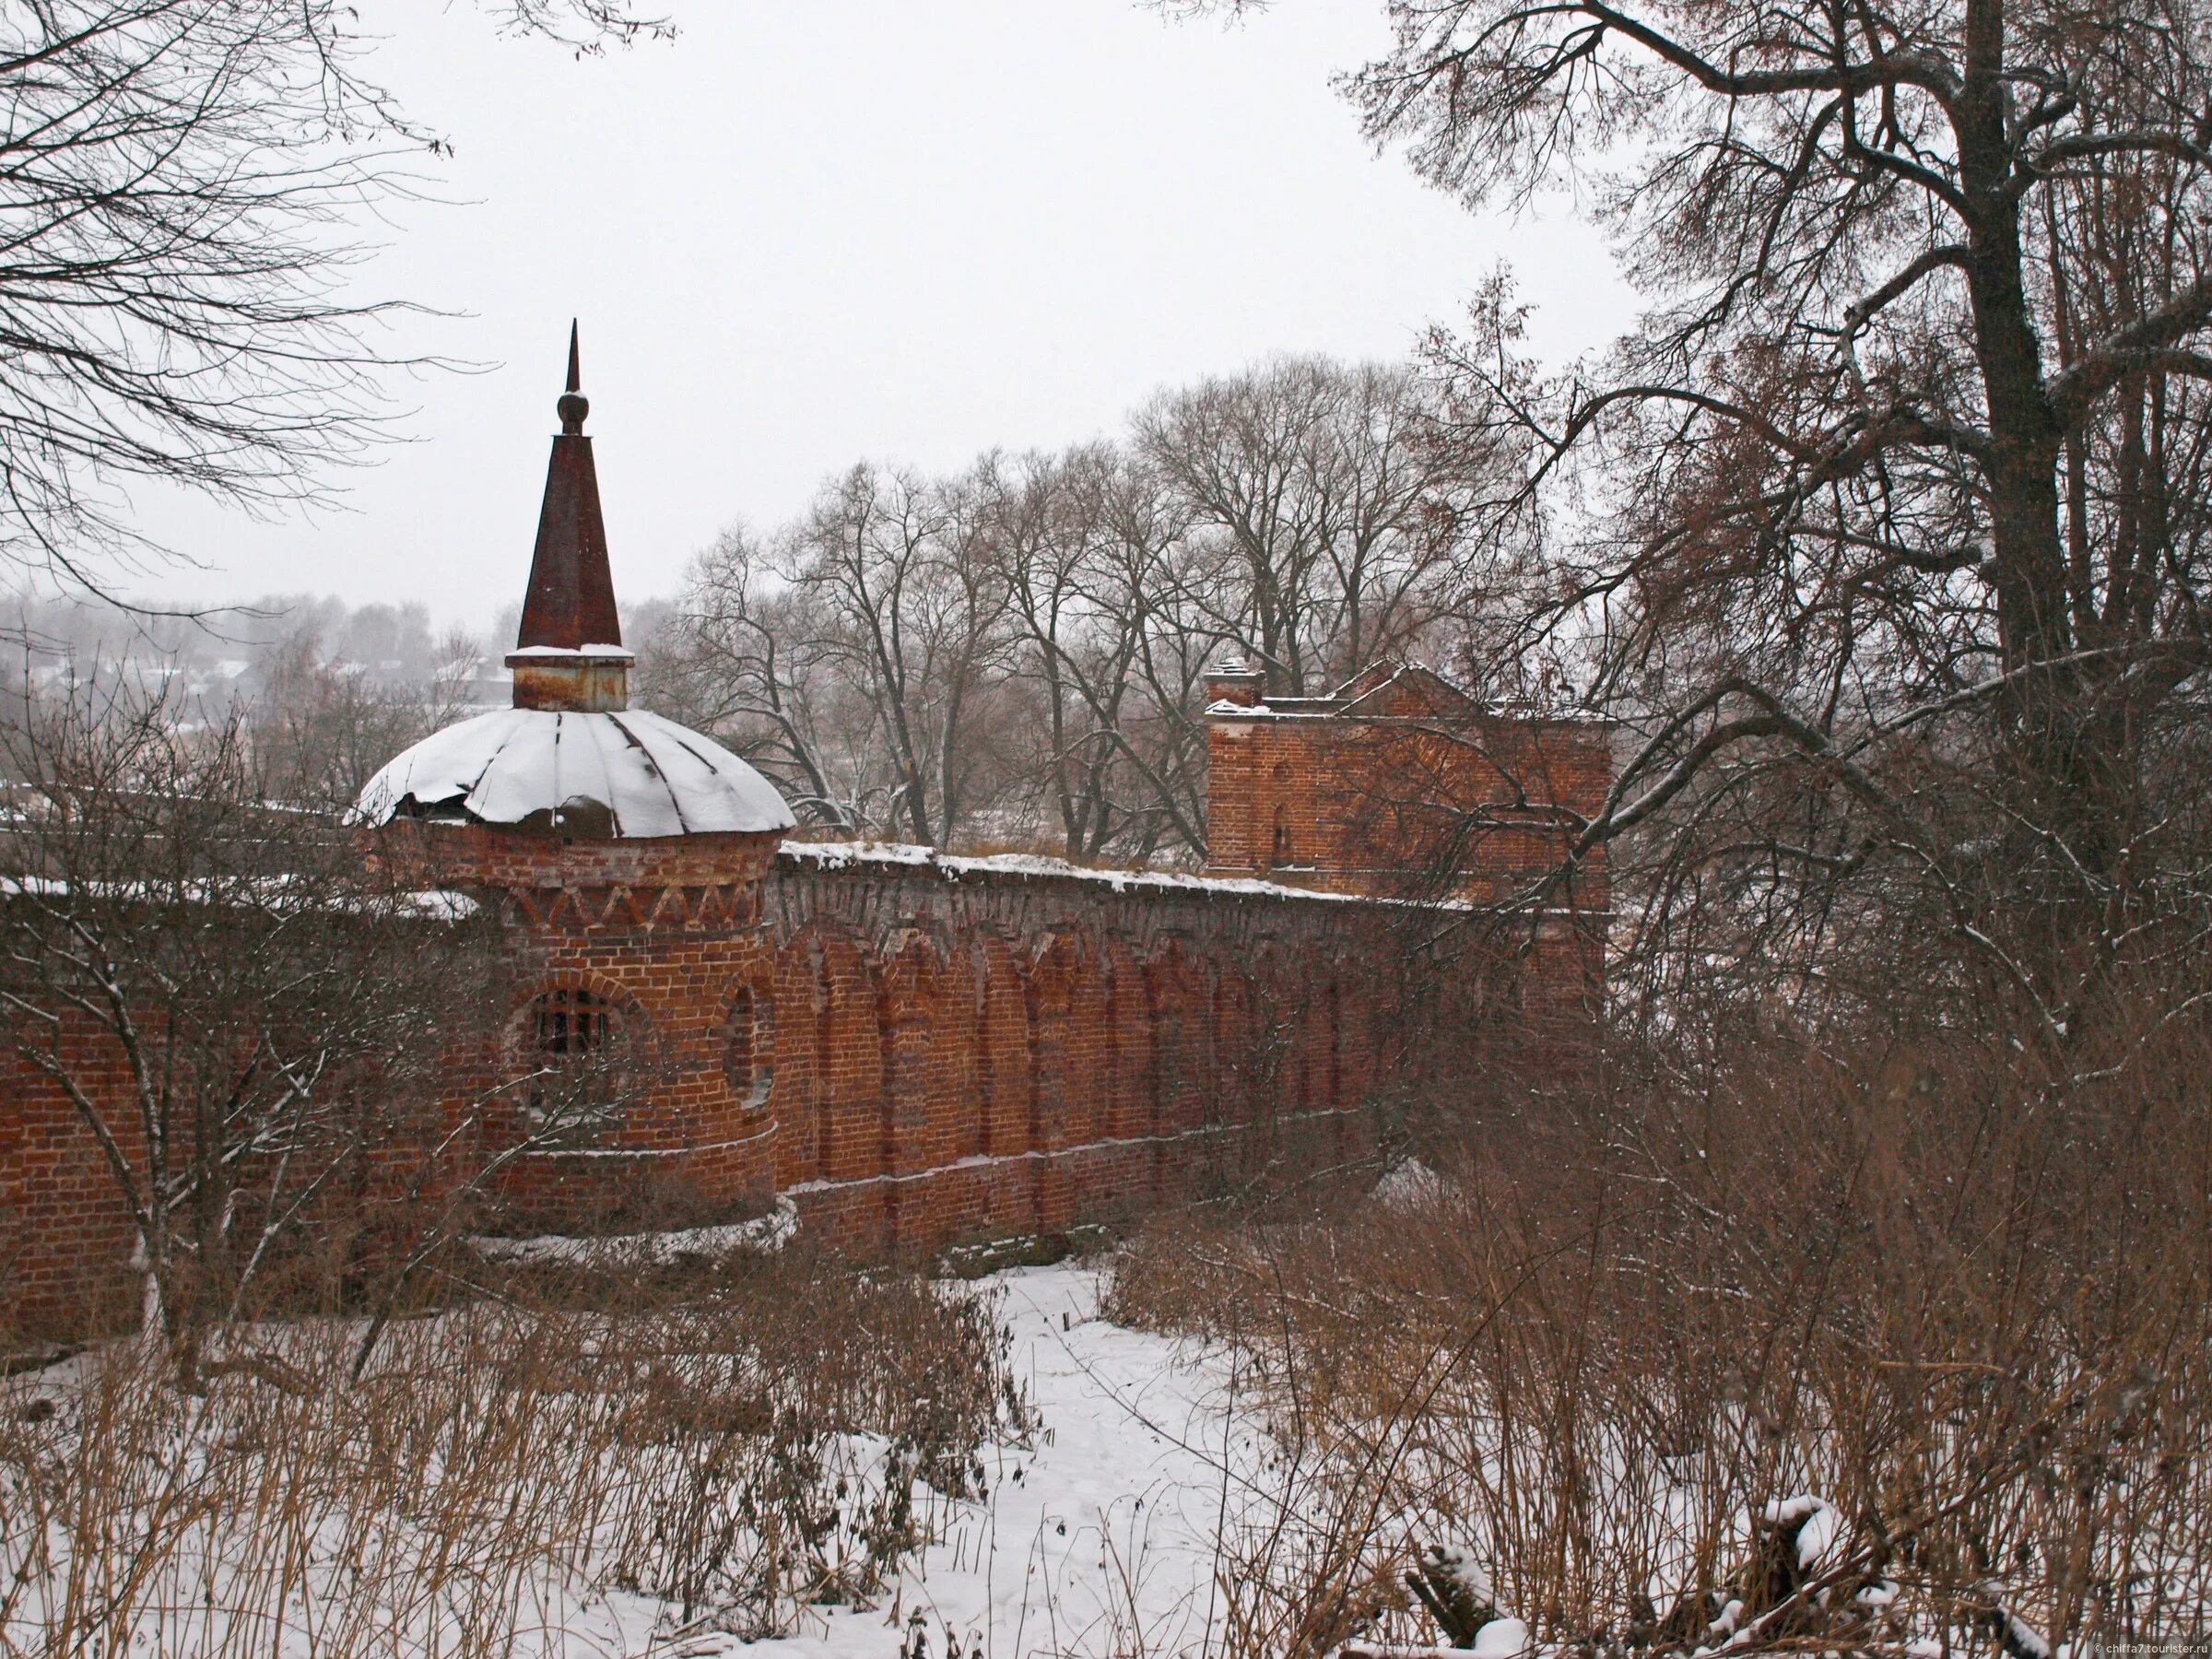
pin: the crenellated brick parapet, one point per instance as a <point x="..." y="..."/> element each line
<point x="650" y="870"/>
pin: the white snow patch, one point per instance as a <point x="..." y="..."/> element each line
<point x="1459" y="1561"/>
<point x="767" y="1232"/>
<point x="1097" y="1539"/>
<point x="282" y="893"/>
<point x="1411" y="1185"/>
<point x="1818" y="1526"/>
<point x="2019" y="1636"/>
<point x="1501" y="1639"/>
<point x="840" y="855"/>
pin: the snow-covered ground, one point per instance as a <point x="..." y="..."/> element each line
<point x="1095" y="1536"/>
<point x="1104" y="1528"/>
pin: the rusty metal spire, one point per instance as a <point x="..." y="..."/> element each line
<point x="570" y="640"/>
<point x="571" y="602"/>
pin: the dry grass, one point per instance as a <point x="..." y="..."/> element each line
<point x="773" y="1438"/>
<point x="1974" y="1317"/>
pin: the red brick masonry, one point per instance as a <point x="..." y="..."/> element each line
<point x="918" y="1050"/>
<point x="1398" y="783"/>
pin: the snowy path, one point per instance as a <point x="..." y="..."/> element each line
<point x="1106" y="1526"/>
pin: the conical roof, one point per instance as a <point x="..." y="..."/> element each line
<point x="569" y="603"/>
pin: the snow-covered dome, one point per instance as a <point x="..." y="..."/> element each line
<point x="623" y="773"/>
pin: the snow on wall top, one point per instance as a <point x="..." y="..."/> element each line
<point x="839" y="855"/>
<point x="652" y="776"/>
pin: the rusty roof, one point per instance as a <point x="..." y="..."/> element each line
<point x="570" y="600"/>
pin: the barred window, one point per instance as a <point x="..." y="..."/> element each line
<point x="572" y="1024"/>
<point x="579" y="1081"/>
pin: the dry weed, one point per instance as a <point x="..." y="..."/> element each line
<point x="773" y="1438"/>
<point x="1788" y="1358"/>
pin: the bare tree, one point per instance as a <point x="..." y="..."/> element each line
<point x="1338" y="531"/>
<point x="241" y="1014"/>
<point x="319" y="729"/>
<point x="860" y="656"/>
<point x="743" y="658"/>
<point x="1038" y="552"/>
<point x="1113" y="600"/>
<point x="1884" y="531"/>
<point x="1027" y="644"/>
<point x="177" y="182"/>
<point x="897" y="559"/>
<point x="1152" y="581"/>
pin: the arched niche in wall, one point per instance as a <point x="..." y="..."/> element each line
<point x="1281" y="842"/>
<point x="1229" y="1067"/>
<point x="1126" y="1096"/>
<point x="911" y="982"/>
<point x="993" y="1006"/>
<point x="1302" y="991"/>
<point x="1180" y="1014"/>
<point x="1331" y="1063"/>
<point x="1262" y="1065"/>
<point x="749" y="1044"/>
<point x="1054" y="980"/>
<point x="830" y="1076"/>
<point x="1331" y="1090"/>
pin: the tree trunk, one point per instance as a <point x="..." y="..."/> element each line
<point x="2069" y="780"/>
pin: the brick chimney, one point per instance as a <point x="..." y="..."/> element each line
<point x="1234" y="682"/>
<point x="569" y="655"/>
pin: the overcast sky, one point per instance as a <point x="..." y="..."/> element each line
<point x="802" y="235"/>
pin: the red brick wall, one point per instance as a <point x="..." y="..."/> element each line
<point x="957" y="1050"/>
<point x="65" y="1243"/>
<point x="956" y="1054"/>
<point x="965" y="1054"/>
<point x="1399" y="786"/>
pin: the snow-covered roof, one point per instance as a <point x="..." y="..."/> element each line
<point x="649" y="776"/>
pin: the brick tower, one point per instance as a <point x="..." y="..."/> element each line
<point x="623" y="855"/>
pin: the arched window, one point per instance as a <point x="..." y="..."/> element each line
<point x="571" y="1023"/>
<point x="748" y="1054"/>
<point x="572" y="1043"/>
